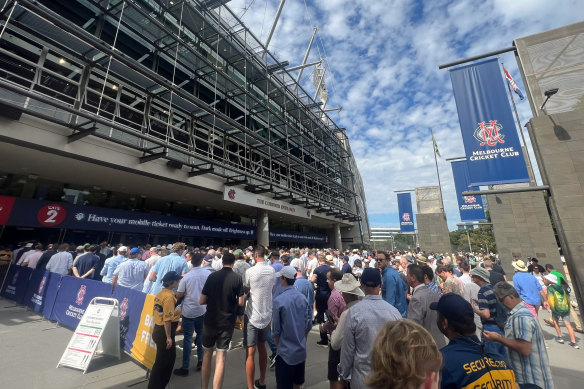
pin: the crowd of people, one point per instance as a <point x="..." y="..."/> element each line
<point x="388" y="319"/>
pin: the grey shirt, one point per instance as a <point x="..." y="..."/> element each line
<point x="420" y="312"/>
<point x="60" y="263"/>
<point x="364" y="321"/>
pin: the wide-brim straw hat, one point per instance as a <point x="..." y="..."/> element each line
<point x="519" y="265"/>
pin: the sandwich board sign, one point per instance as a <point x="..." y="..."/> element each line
<point x="99" y="327"/>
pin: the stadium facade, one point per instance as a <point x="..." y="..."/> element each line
<point x="171" y="110"/>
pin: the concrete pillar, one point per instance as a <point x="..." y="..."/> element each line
<point x="433" y="232"/>
<point x="337" y="243"/>
<point x="263" y="232"/>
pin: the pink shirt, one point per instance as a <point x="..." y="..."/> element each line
<point x="336" y="304"/>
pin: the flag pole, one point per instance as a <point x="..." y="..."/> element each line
<point x="434" y="145"/>
<point x="527" y="158"/>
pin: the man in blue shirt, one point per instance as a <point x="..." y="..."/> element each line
<point x="112" y="263"/>
<point x="173" y="262"/>
<point x="393" y="288"/>
<point x="131" y="273"/>
<point x="528" y="287"/>
<point x="291" y="324"/>
<point x="86" y="264"/>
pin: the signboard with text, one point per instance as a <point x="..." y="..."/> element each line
<point x="470" y="207"/>
<point x="241" y="196"/>
<point x="406" y="216"/>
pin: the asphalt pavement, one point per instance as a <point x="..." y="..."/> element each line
<point x="30" y="348"/>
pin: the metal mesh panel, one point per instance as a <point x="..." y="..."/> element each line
<point x="554" y="59"/>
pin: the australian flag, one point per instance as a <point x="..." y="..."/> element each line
<point x="513" y="85"/>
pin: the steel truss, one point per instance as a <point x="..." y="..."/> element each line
<point x="177" y="81"/>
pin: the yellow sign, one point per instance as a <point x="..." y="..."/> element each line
<point x="144" y="348"/>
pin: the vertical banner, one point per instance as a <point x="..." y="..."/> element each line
<point x="131" y="303"/>
<point x="470" y="207"/>
<point x="16" y="283"/>
<point x="489" y="133"/>
<point x="406" y="216"/>
<point x="144" y="348"/>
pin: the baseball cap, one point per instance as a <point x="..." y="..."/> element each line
<point x="452" y="306"/>
<point x="135" y="250"/>
<point x="123" y="249"/>
<point x="171" y="276"/>
<point x="371" y="277"/>
<point x="287" y="272"/>
<point x="28" y="245"/>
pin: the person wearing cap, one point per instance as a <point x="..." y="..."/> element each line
<point x="173" y="262"/>
<point x="524" y="341"/>
<point x="466" y="363"/>
<point x="486" y="307"/>
<point x="131" y="273"/>
<point x="408" y="345"/>
<point x="223" y="295"/>
<point x="259" y="282"/>
<point x="394" y="288"/>
<point x="112" y="263"/>
<point x="528" y="287"/>
<point x="351" y="291"/>
<point x="364" y="321"/>
<point x="85" y="265"/>
<point x="291" y="323"/>
<point x="166" y="316"/>
<point x="559" y="303"/>
<point x="419" y="307"/>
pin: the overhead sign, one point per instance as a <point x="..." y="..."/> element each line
<point x="293" y="236"/>
<point x="99" y="326"/>
<point x="489" y="134"/>
<point x="406" y="216"/>
<point x="470" y="207"/>
<point x="35" y="213"/>
<point x="240" y="196"/>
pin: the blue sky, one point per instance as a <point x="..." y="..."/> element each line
<point x="382" y="60"/>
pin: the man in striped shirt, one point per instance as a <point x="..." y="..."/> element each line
<point x="524" y="340"/>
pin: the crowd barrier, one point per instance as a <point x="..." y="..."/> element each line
<point x="64" y="299"/>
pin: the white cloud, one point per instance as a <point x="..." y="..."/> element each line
<point x="383" y="58"/>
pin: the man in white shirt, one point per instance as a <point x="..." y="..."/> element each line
<point x="259" y="281"/>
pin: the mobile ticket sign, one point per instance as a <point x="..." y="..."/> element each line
<point x="98" y="332"/>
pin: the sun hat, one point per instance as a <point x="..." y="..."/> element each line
<point x="481" y="272"/>
<point x="349" y="284"/>
<point x="329" y="258"/>
<point x="551" y="278"/>
<point x="520" y="265"/>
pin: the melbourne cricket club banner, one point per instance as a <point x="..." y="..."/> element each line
<point x="50" y="290"/>
<point x="16" y="283"/>
<point x="470" y="207"/>
<point x="33" y="298"/>
<point x="131" y="303"/>
<point x="489" y="134"/>
<point x="406" y="216"/>
<point x="73" y="297"/>
<point x="144" y="348"/>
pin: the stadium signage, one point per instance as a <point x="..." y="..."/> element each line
<point x="240" y="196"/>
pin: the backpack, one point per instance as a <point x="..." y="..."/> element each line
<point x="559" y="301"/>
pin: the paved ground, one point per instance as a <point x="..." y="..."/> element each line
<point x="30" y="348"/>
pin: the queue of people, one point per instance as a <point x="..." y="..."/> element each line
<point x="388" y="319"/>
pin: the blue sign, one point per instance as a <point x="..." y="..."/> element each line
<point x="73" y="298"/>
<point x="33" y="298"/>
<point x="406" y="216"/>
<point x="51" y="288"/>
<point x="470" y="207"/>
<point x="16" y="283"/>
<point x="130" y="306"/>
<point x="294" y="236"/>
<point x="489" y="134"/>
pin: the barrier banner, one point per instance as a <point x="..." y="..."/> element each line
<point x="73" y="297"/>
<point x="51" y="289"/>
<point x="489" y="134"/>
<point x="16" y="283"/>
<point x="470" y="207"/>
<point x="406" y="216"/>
<point x="144" y="348"/>
<point x="131" y="303"/>
<point x="33" y="296"/>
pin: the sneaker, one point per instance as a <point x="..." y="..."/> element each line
<point x="181" y="372"/>
<point x="322" y="344"/>
<point x="559" y="340"/>
<point x="273" y="361"/>
<point x="575" y="345"/>
<point x="199" y="365"/>
<point x="257" y="385"/>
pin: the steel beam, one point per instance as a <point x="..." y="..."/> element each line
<point x="152" y="157"/>
<point x="503" y="191"/>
